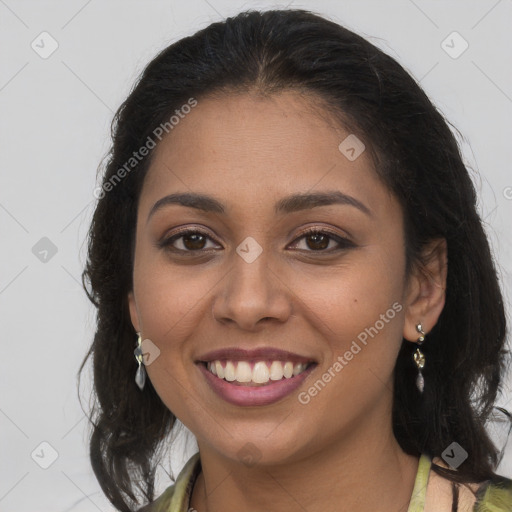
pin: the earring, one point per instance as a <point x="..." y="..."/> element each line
<point x="419" y="359"/>
<point x="140" y="376"/>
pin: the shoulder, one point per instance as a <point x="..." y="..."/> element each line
<point x="161" y="504"/>
<point x="176" y="497"/>
<point x="494" y="494"/>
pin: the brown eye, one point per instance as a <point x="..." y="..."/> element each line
<point x="318" y="241"/>
<point x="187" y="241"/>
<point x="194" y="241"/>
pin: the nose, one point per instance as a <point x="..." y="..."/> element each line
<point x="252" y="294"/>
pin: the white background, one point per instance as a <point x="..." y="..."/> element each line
<point x="54" y="131"/>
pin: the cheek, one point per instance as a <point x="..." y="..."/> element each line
<point x="166" y="302"/>
<point x="358" y="310"/>
<point x="169" y="303"/>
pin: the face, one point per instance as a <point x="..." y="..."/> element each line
<point x="251" y="269"/>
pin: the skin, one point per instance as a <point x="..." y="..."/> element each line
<point x="249" y="152"/>
<point x="439" y="493"/>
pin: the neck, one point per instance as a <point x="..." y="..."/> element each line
<point x="363" y="470"/>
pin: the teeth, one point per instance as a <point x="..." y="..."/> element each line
<point x="297" y="369"/>
<point x="219" y="370"/>
<point x="260" y="373"/>
<point x="229" y="371"/>
<point x="276" y="370"/>
<point x="243" y="372"/>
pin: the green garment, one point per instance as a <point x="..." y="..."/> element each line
<point x="492" y="496"/>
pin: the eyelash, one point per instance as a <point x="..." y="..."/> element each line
<point x="343" y="243"/>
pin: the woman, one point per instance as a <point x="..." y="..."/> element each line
<point x="286" y="239"/>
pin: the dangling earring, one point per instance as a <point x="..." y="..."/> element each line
<point x="419" y="359"/>
<point x="140" y="376"/>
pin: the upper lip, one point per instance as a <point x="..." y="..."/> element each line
<point x="257" y="354"/>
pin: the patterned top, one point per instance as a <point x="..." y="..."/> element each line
<point x="492" y="496"/>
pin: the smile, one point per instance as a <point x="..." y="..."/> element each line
<point x="255" y="373"/>
<point x="254" y="377"/>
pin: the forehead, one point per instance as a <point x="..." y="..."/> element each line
<point x="246" y="147"/>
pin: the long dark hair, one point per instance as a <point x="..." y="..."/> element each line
<point x="417" y="157"/>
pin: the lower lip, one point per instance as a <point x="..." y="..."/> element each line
<point x="254" y="395"/>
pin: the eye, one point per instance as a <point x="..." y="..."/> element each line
<point x="196" y="240"/>
<point x="320" y="240"/>
<point x="190" y="240"/>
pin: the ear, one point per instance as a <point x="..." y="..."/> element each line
<point x="133" y="311"/>
<point x="426" y="290"/>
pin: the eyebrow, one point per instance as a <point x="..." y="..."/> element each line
<point x="289" y="204"/>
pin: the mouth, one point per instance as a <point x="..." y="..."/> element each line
<point x="255" y="373"/>
<point x="254" y="377"/>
